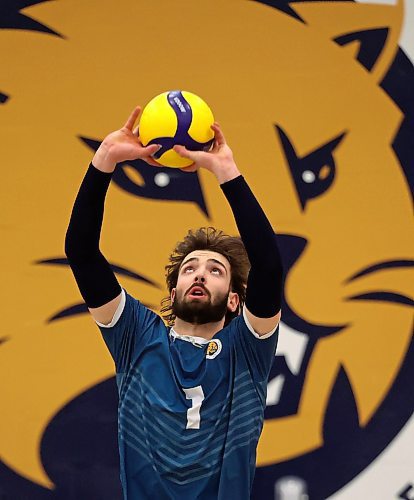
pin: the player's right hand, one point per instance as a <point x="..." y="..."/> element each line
<point x="219" y="160"/>
<point x="123" y="145"/>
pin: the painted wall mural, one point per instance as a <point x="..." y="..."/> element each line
<point x="316" y="100"/>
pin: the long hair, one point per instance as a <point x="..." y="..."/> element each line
<point x="215" y="240"/>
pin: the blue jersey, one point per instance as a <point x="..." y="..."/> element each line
<point x="190" y="411"/>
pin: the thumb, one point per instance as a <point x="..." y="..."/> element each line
<point x="186" y="153"/>
<point x="152" y="149"/>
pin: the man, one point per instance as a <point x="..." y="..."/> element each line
<point x="191" y="397"/>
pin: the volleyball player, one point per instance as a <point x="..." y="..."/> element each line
<point x="192" y="389"/>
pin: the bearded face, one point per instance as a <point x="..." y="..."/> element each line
<point x="202" y="294"/>
<point x="200" y="309"/>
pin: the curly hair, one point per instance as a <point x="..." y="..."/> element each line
<point x="215" y="240"/>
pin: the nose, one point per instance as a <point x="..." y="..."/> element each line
<point x="200" y="274"/>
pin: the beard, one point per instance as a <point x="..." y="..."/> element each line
<point x="201" y="312"/>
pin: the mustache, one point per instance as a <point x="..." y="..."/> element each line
<point x="197" y="285"/>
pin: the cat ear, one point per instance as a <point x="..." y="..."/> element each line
<point x="368" y="32"/>
<point x="367" y="45"/>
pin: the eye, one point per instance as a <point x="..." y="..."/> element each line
<point x="188" y="269"/>
<point x="216" y="270"/>
<point x="313" y="173"/>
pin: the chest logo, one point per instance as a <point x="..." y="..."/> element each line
<point x="213" y="349"/>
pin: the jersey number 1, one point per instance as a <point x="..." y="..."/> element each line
<point x="196" y="395"/>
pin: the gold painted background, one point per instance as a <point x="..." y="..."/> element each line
<point x="258" y="68"/>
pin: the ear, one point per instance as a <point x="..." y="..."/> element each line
<point x="233" y="301"/>
<point x="368" y="32"/>
<point x="172" y="295"/>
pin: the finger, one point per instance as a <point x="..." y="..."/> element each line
<point x="136" y="131"/>
<point x="152" y="162"/>
<point x="150" y="150"/>
<point x="132" y="118"/>
<point x="215" y="148"/>
<point x="190" y="168"/>
<point x="186" y="153"/>
<point x="218" y="134"/>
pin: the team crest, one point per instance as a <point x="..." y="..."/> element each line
<point x="213" y="349"/>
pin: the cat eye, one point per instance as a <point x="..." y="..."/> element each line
<point x="314" y="173"/>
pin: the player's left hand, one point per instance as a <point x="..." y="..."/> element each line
<point x="219" y="160"/>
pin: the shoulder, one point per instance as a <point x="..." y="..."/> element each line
<point x="261" y="327"/>
<point x="130" y="309"/>
<point x="243" y="323"/>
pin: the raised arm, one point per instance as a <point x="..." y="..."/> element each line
<point x="96" y="281"/>
<point x="264" y="285"/>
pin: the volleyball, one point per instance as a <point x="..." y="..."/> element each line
<point x="176" y="118"/>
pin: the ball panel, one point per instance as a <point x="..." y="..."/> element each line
<point x="171" y="159"/>
<point x="158" y="119"/>
<point x="202" y="120"/>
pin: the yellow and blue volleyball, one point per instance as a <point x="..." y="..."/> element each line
<point x="176" y="117"/>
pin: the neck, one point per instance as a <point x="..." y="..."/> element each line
<point x="206" y="331"/>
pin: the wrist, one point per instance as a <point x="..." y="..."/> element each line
<point x="227" y="173"/>
<point x="103" y="160"/>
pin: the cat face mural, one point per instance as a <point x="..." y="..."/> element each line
<point x="306" y="96"/>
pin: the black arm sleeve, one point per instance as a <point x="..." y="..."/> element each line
<point x="264" y="284"/>
<point x="94" y="276"/>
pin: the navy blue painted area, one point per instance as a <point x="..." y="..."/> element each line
<point x="371" y="42"/>
<point x="288" y="6"/>
<point x="12" y="18"/>
<point x="283" y="6"/>
<point x="398" y="83"/>
<point x="122" y="271"/>
<point x="72" y="310"/>
<point x="384" y="297"/>
<point x="182" y="186"/>
<point x="380" y="295"/>
<point x="403" y="150"/>
<point x="341" y="412"/>
<point x="291" y="247"/>
<point x="16" y="487"/>
<point x="79" y="452"/>
<point x="79" y="448"/>
<point x="389" y="264"/>
<point x="80" y="308"/>
<point x="407" y="493"/>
